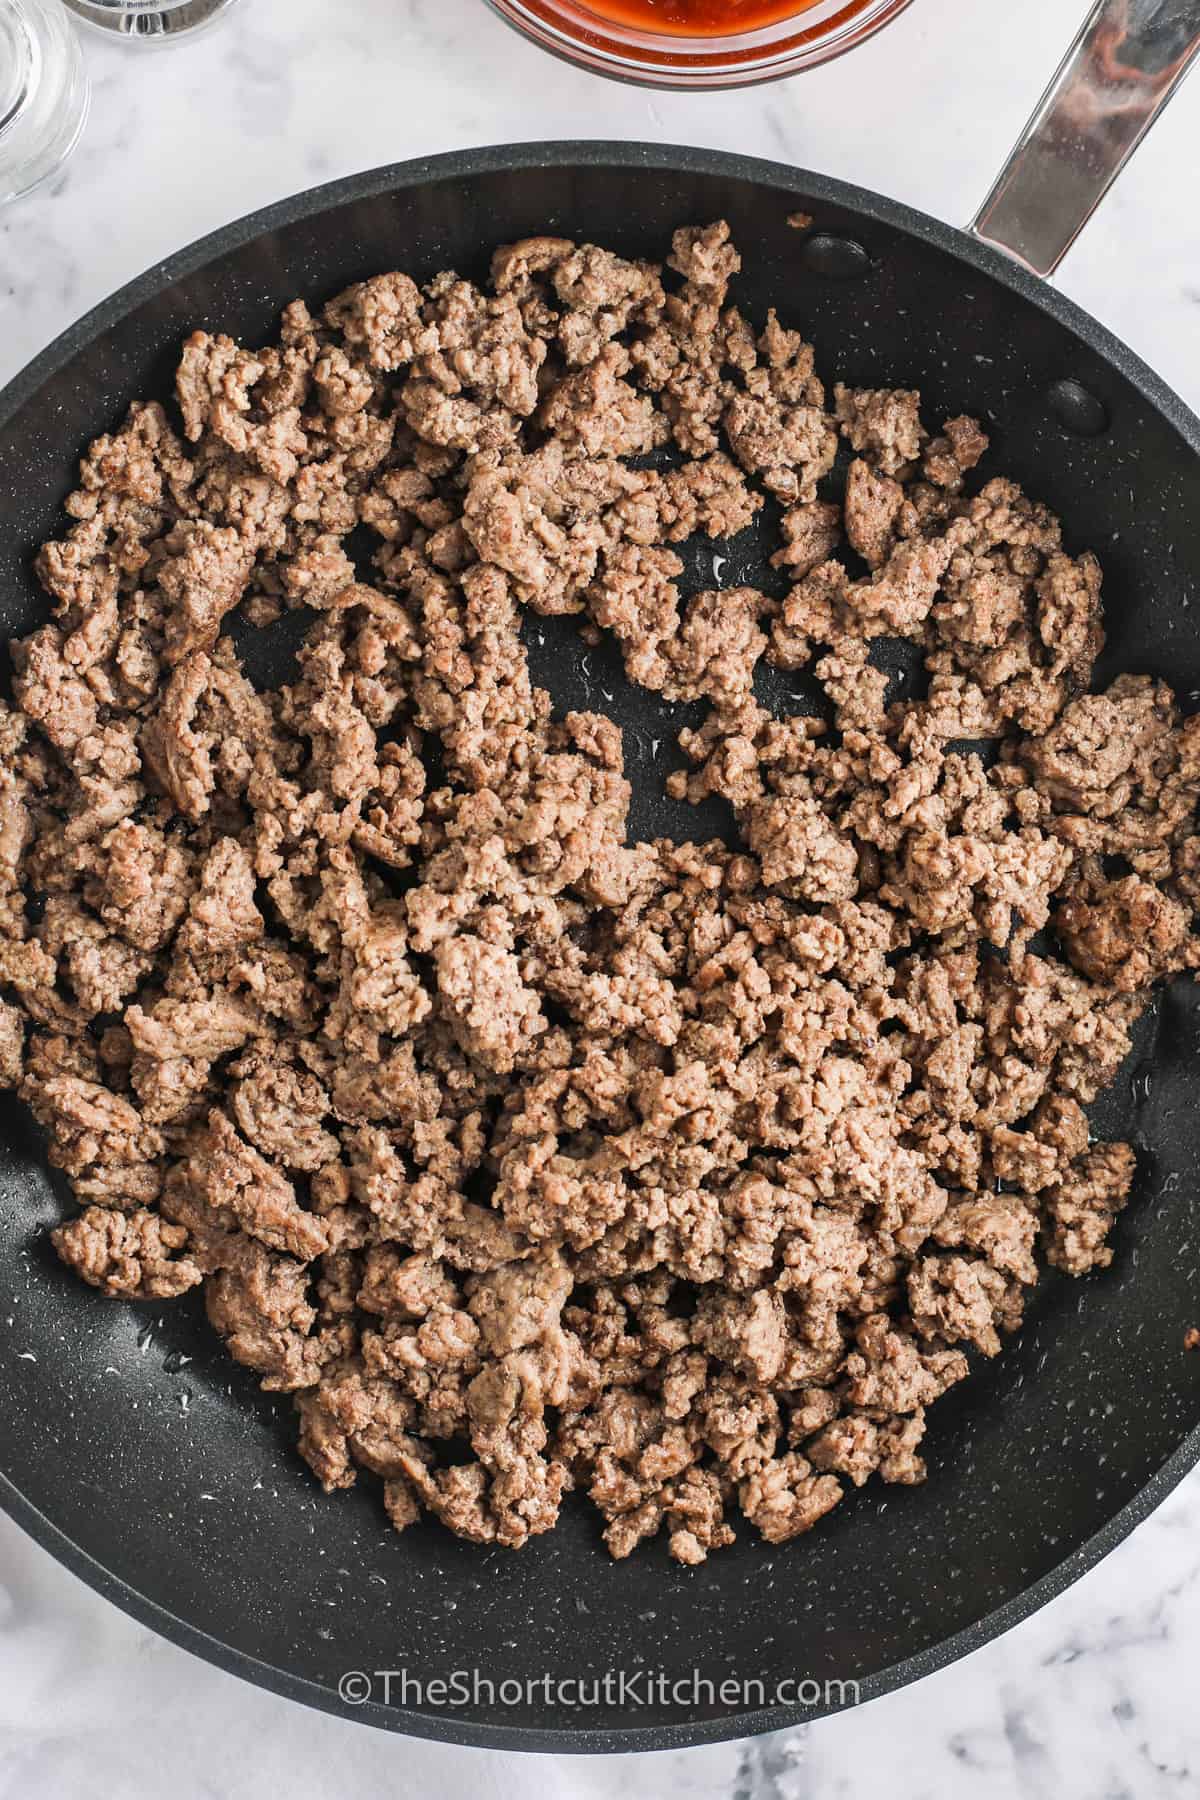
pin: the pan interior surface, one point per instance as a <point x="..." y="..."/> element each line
<point x="141" y="1454"/>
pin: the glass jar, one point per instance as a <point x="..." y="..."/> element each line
<point x="150" y="21"/>
<point x="43" y="93"/>
<point x="670" y="58"/>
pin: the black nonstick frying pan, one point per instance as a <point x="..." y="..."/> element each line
<point x="145" y="1460"/>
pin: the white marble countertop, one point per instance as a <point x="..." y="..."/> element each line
<point x="1095" y="1696"/>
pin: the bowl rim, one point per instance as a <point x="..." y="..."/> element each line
<point x="667" y="158"/>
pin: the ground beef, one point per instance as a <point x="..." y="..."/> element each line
<point x="881" y="424"/>
<point x="872" y="506"/>
<point x="526" y="1157"/>
<point x="12" y="1045"/>
<point x="1125" y="933"/>
<point x="129" y="1256"/>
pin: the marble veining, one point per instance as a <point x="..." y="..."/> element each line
<point x="1095" y="1696"/>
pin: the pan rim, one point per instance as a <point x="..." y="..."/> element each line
<point x="621" y="155"/>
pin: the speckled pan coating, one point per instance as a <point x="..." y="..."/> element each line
<point x="134" y="1451"/>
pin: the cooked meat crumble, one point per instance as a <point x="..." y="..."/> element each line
<point x="525" y="1157"/>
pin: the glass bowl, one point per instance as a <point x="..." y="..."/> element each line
<point x="594" y="38"/>
<point x="150" y="21"/>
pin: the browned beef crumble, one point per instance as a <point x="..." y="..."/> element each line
<point x="682" y="1175"/>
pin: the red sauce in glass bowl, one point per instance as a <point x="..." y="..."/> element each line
<point x="698" y="44"/>
<point x="698" y="18"/>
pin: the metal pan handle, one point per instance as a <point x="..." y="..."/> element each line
<point x="1128" y="60"/>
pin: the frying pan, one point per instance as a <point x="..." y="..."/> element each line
<point x="138" y="1454"/>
